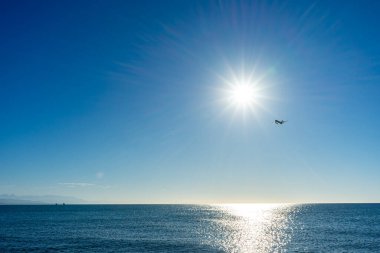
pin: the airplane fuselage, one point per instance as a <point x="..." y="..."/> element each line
<point x="279" y="122"/>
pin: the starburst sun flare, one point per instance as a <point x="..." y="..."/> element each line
<point x="242" y="93"/>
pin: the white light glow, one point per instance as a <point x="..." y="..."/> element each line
<point x="242" y="95"/>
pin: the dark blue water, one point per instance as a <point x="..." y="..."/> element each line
<point x="191" y="228"/>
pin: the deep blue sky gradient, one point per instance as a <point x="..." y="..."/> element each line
<point x="118" y="101"/>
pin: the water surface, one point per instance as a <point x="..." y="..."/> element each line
<point x="191" y="228"/>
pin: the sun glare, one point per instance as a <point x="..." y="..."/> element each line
<point x="257" y="227"/>
<point x="242" y="95"/>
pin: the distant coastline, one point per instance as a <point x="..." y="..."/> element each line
<point x="20" y="202"/>
<point x="11" y="199"/>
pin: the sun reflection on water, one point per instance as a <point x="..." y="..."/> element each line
<point x="254" y="227"/>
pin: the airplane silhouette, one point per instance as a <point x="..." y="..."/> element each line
<point x="279" y="121"/>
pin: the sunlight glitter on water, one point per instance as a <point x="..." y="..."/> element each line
<point x="254" y="227"/>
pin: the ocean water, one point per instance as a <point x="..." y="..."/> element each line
<point x="191" y="228"/>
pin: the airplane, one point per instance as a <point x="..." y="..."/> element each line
<point x="279" y="121"/>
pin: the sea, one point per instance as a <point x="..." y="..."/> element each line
<point x="191" y="228"/>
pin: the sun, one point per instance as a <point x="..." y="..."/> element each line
<point x="242" y="95"/>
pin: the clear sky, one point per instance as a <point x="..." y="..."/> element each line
<point x="128" y="101"/>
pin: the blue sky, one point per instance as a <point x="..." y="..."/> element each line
<point x="124" y="101"/>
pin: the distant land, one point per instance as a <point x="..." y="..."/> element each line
<point x="20" y="202"/>
<point x="11" y="199"/>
